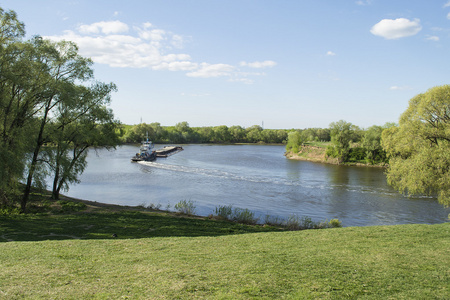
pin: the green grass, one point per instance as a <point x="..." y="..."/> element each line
<point x="318" y="144"/>
<point x="158" y="255"/>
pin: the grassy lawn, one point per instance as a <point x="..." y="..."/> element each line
<point x="158" y="255"/>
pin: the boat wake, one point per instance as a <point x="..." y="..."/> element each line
<point x="270" y="179"/>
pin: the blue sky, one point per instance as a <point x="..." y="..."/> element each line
<point x="289" y="64"/>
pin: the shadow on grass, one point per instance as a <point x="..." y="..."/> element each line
<point x="115" y="225"/>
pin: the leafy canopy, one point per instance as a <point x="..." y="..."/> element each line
<point x="419" y="148"/>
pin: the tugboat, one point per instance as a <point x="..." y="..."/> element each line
<point x="146" y="152"/>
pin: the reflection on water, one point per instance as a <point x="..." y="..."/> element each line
<point x="259" y="178"/>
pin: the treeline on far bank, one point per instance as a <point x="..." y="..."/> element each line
<point x="182" y="133"/>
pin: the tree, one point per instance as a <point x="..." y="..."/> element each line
<point x="221" y="134"/>
<point x="82" y="121"/>
<point x="20" y="99"/>
<point x="140" y="132"/>
<point x="371" y="142"/>
<point x="237" y="133"/>
<point x="342" y="133"/>
<point x="419" y="148"/>
<point x="294" y="141"/>
<point x="253" y="133"/>
<point x="64" y="69"/>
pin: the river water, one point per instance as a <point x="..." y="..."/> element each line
<point x="256" y="177"/>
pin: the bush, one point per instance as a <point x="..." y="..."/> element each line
<point x="273" y="221"/>
<point x="357" y="154"/>
<point x="244" y="216"/>
<point x="240" y="215"/>
<point x="335" y="223"/>
<point x="224" y="212"/>
<point x="186" y="207"/>
<point x="296" y="223"/>
<point x="331" y="151"/>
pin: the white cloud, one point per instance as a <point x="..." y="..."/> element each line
<point x="447" y="4"/>
<point x="433" y="38"/>
<point x="400" y="88"/>
<point x="242" y="80"/>
<point x="177" y="66"/>
<point x="212" y="70"/>
<point x="104" y="27"/>
<point x="363" y="2"/>
<point x="448" y="16"/>
<point x="259" y="64"/>
<point x="395" y="29"/>
<point x="145" y="46"/>
<point x="331" y="53"/>
<point x="196" y="95"/>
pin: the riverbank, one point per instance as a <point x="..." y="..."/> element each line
<point x="318" y="154"/>
<point x="112" y="252"/>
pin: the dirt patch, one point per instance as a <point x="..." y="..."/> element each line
<point x="312" y="153"/>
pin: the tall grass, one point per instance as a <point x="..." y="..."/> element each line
<point x="293" y="222"/>
<point x="239" y="215"/>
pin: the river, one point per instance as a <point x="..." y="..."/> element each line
<point x="256" y="177"/>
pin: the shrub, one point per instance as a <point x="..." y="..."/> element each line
<point x="273" y="221"/>
<point x="186" y="207"/>
<point x="357" y="154"/>
<point x="244" y="216"/>
<point x="335" y="223"/>
<point x="240" y="215"/>
<point x="224" y="212"/>
<point x="296" y="223"/>
<point x="331" y="151"/>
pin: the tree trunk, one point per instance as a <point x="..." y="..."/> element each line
<point x="56" y="188"/>
<point x="39" y="143"/>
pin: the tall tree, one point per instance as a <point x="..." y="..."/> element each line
<point x="64" y="69"/>
<point x="16" y="107"/>
<point x="371" y="142"/>
<point x="342" y="133"/>
<point x="80" y="124"/>
<point x="419" y="148"/>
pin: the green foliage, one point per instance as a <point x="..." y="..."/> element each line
<point x="51" y="110"/>
<point x="244" y="216"/>
<point x="372" y="143"/>
<point x="294" y="141"/>
<point x="356" y="154"/>
<point x="9" y="210"/>
<point x="183" y="133"/>
<point x="335" y="223"/>
<point x="186" y="207"/>
<point x="224" y="212"/>
<point x="240" y="215"/>
<point x="71" y="206"/>
<point x="419" y="148"/>
<point x="295" y="222"/>
<point x="342" y="133"/>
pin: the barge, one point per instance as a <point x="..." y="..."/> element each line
<point x="168" y="150"/>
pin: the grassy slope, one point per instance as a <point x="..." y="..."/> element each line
<point x="157" y="255"/>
